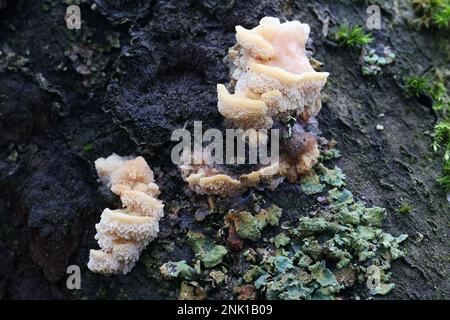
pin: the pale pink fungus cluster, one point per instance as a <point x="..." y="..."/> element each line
<point x="123" y="233"/>
<point x="271" y="79"/>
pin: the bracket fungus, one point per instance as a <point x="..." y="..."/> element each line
<point x="206" y="178"/>
<point x="123" y="233"/>
<point x="274" y="87"/>
<point x="271" y="75"/>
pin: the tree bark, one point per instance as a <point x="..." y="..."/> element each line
<point x="68" y="97"/>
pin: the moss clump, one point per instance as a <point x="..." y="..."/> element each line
<point x="352" y="36"/>
<point x="416" y="85"/>
<point x="436" y="89"/>
<point x="444" y="180"/>
<point x="405" y="208"/>
<point x="432" y="13"/>
<point x="442" y="140"/>
<point x="442" y="18"/>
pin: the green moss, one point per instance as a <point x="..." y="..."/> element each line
<point x="442" y="141"/>
<point x="441" y="136"/>
<point x="425" y="85"/>
<point x="432" y="13"/>
<point x="442" y="18"/>
<point x="352" y="36"/>
<point x="405" y="208"/>
<point x="444" y="180"/>
<point x="88" y="147"/>
<point x="416" y="85"/>
<point x="436" y="88"/>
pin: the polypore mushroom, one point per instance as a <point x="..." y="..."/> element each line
<point x="123" y="233"/>
<point x="272" y="80"/>
<point x="271" y="75"/>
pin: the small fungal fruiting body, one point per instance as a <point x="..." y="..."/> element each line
<point x="271" y="76"/>
<point x="206" y="178"/>
<point x="274" y="86"/>
<point x="123" y="233"/>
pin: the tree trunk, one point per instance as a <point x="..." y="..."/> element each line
<point x="136" y="71"/>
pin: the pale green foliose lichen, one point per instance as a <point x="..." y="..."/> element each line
<point x="205" y="249"/>
<point x="334" y="247"/>
<point x="328" y="252"/>
<point x="334" y="177"/>
<point x="179" y="269"/>
<point x="249" y="226"/>
<point x="311" y="185"/>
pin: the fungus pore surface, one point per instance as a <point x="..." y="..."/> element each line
<point x="123" y="233"/>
